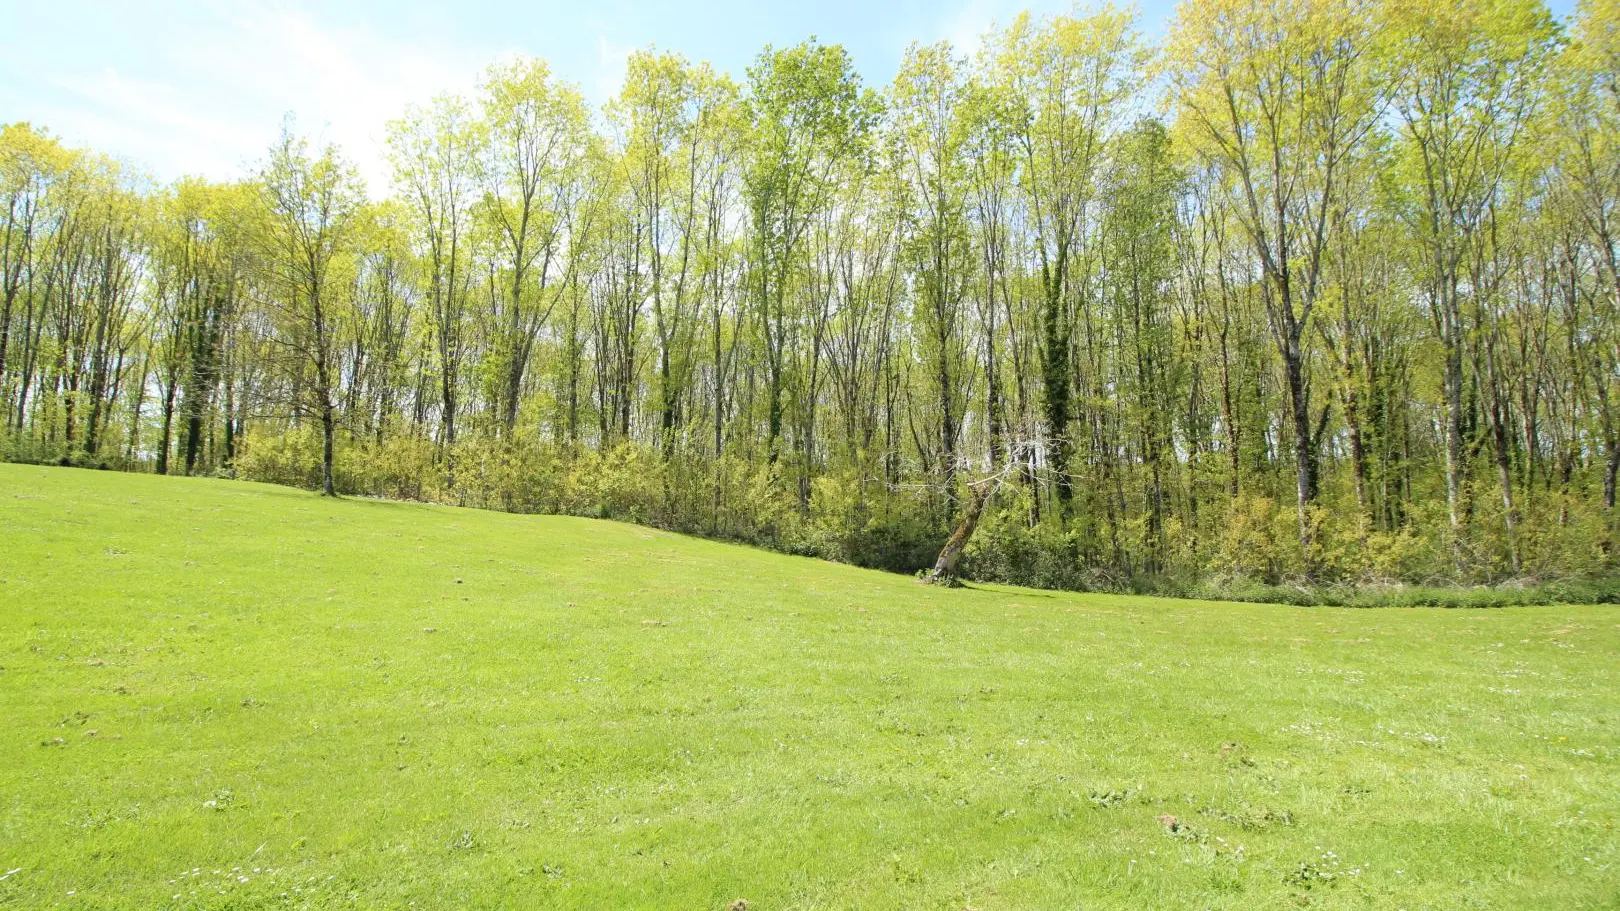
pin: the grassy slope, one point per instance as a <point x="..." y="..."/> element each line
<point x="374" y="704"/>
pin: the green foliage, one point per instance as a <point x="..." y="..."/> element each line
<point x="401" y="467"/>
<point x="292" y="457"/>
<point x="30" y="451"/>
<point x="853" y="522"/>
<point x="1044" y="555"/>
<point x="1340" y="312"/>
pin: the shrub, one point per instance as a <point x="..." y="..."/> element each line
<point x="292" y="457"/>
<point x="402" y="467"/>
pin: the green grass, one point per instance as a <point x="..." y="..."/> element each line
<point x="246" y="696"/>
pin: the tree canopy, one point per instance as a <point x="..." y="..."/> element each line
<point x="1312" y="290"/>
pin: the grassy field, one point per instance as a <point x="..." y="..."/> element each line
<point x="226" y="695"/>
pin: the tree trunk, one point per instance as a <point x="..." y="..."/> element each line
<point x="168" y="426"/>
<point x="1056" y="382"/>
<point x="328" y="433"/>
<point x="1453" y="389"/>
<point x="1358" y="456"/>
<point x="944" y="572"/>
<point x="1304" y="453"/>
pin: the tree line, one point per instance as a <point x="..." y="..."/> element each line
<point x="1313" y="289"/>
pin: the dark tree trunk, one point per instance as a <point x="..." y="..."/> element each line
<point x="1304" y="447"/>
<point x="328" y="434"/>
<point x="167" y="436"/>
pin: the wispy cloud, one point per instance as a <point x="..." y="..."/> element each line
<point x="230" y="78"/>
<point x="612" y="61"/>
<point x="967" y="26"/>
<point x="156" y="122"/>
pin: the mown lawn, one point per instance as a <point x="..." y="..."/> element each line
<point x="226" y="695"/>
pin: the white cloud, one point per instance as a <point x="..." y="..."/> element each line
<point x="228" y="80"/>
<point x="612" y="61"/>
<point x="343" y="83"/>
<point x="153" y="122"/>
<point x="968" y="26"/>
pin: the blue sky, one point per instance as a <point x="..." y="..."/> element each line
<point x="201" y="86"/>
